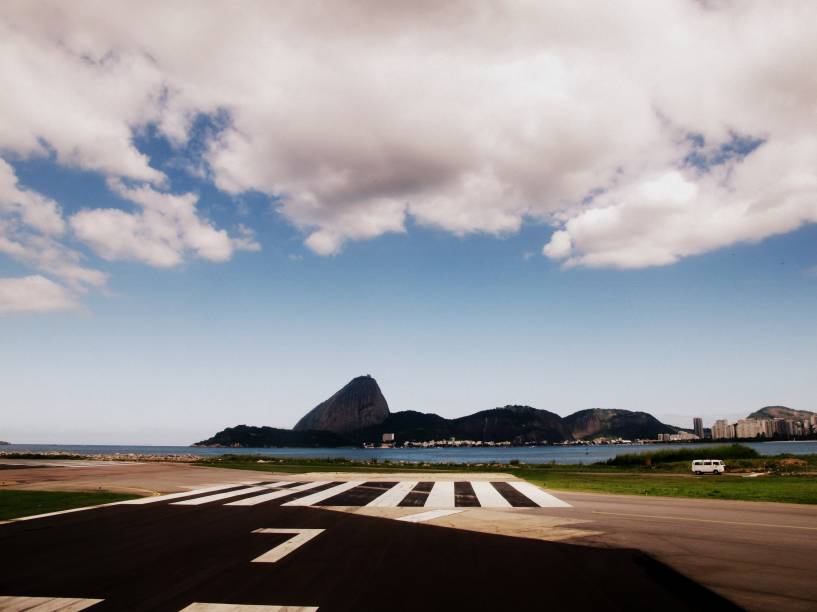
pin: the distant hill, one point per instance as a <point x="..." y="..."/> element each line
<point x="4" y="443"/>
<point x="780" y="412"/>
<point x="248" y="436"/>
<point x="409" y="425"/>
<point x="518" y="424"/>
<point x="359" y="413"/>
<point x="357" y="405"/>
<point x="614" y="423"/>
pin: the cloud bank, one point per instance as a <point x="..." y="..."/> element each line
<point x="622" y="126"/>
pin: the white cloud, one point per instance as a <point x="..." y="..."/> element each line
<point x="67" y="97"/>
<point x="667" y="217"/>
<point x="32" y="294"/>
<point x="165" y="228"/>
<point x="31" y="227"/>
<point x="466" y="116"/>
<point x="36" y="211"/>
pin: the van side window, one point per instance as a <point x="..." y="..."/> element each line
<point x="707" y="463"/>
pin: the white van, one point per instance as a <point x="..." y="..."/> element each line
<point x="708" y="466"/>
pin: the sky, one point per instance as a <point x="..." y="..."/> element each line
<point x="212" y="216"/>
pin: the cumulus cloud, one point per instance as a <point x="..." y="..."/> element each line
<point x="610" y="121"/>
<point x="31" y="230"/>
<point x="32" y="294"/>
<point x="165" y="228"/>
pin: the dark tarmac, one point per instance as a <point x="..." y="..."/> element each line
<point x="165" y="557"/>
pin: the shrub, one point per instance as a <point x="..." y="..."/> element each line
<point x="674" y="455"/>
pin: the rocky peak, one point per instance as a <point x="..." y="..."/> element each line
<point x="359" y="404"/>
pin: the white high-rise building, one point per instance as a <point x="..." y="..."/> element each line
<point x="749" y="428"/>
<point x="722" y="430"/>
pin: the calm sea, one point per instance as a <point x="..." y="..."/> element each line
<point x="536" y="454"/>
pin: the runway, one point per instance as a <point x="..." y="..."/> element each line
<point x="407" y="541"/>
<point x="761" y="555"/>
<point x="165" y="555"/>
<point x="381" y="494"/>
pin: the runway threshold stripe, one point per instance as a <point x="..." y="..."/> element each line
<point x="464" y="496"/>
<point x="220" y="607"/>
<point x="441" y="496"/>
<point x="512" y="496"/>
<point x="287" y="485"/>
<point x="428" y="516"/>
<point x="160" y="498"/>
<point x="309" y="500"/>
<point x="488" y="496"/>
<point x="417" y="496"/>
<point x="543" y="499"/>
<point x="46" y="604"/>
<point x="393" y="496"/>
<point x="359" y="496"/>
<point x="284" y="492"/>
<point x="197" y="501"/>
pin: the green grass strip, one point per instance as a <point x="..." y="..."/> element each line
<point x="796" y="489"/>
<point x="16" y="504"/>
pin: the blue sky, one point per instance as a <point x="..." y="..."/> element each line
<point x="564" y="261"/>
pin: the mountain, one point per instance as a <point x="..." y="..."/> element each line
<point x="357" y="405"/>
<point x="261" y="437"/>
<point x="780" y="412"/>
<point x="359" y="413"/>
<point x="614" y="423"/>
<point x="409" y="425"/>
<point x="519" y="424"/>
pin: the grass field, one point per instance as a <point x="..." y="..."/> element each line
<point x="788" y="480"/>
<point x="794" y="488"/>
<point x="14" y="504"/>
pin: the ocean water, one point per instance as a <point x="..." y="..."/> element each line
<point x="533" y="454"/>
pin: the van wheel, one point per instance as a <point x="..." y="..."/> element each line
<point x="697" y="473"/>
<point x="717" y="473"/>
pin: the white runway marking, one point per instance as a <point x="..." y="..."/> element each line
<point x="71" y="463"/>
<point x="158" y="498"/>
<point x="211" y="607"/>
<point x="47" y="514"/>
<point x="217" y="496"/>
<point x="441" y="496"/>
<point x="488" y="496"/>
<point x="427" y="516"/>
<point x="326" y="494"/>
<point x="537" y="495"/>
<point x="302" y="536"/>
<point x="393" y="496"/>
<point x="260" y="499"/>
<point x="45" y="604"/>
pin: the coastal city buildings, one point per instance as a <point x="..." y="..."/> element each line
<point x="681" y="436"/>
<point x="722" y="430"/>
<point x="764" y="428"/>
<point x="698" y="426"/>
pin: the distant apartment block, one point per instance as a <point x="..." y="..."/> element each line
<point x="749" y="428"/>
<point x="722" y="430"/>
<point x="698" y="427"/>
<point x="764" y="428"/>
<point x="681" y="436"/>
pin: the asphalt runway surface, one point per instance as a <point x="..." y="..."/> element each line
<point x="167" y="556"/>
<point x="761" y="555"/>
